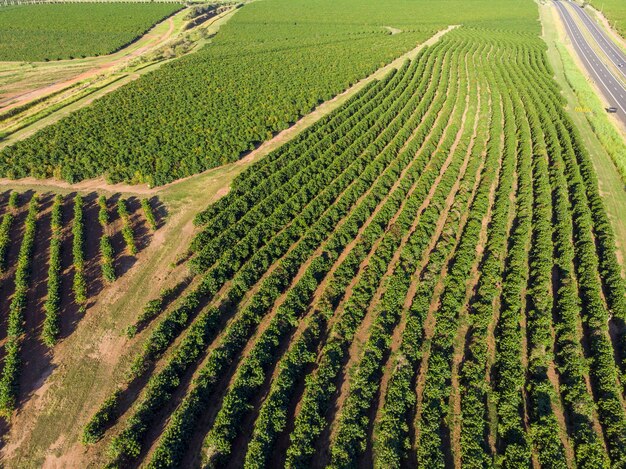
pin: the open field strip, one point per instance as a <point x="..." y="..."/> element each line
<point x="28" y="2"/>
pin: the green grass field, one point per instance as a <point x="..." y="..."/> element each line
<point x="64" y="31"/>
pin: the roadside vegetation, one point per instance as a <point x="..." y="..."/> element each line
<point x="591" y="106"/>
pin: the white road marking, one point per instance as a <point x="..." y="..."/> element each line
<point x="601" y="36"/>
<point x="570" y="27"/>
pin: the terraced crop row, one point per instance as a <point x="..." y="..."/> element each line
<point x="421" y="278"/>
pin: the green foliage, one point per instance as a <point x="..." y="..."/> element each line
<point x="474" y="395"/>
<point x="95" y="428"/>
<point x="79" y="284"/>
<point x="5" y="230"/>
<point x="107" y="254"/>
<point x="267" y="67"/>
<point x="50" y="330"/>
<point x="9" y="380"/>
<point x="156" y="306"/>
<point x="272" y="286"/>
<point x="417" y="227"/>
<point x="25" y="297"/>
<point x="66" y="30"/>
<point x="103" y="211"/>
<point x="590" y="216"/>
<point x="127" y="229"/>
<point x="245" y="264"/>
<point x="149" y="214"/>
<point x="107" y="257"/>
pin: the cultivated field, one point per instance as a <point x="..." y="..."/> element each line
<point x="57" y="252"/>
<point x="55" y="32"/>
<point x="267" y="67"/>
<point x="35" y="95"/>
<point x="425" y="271"/>
<point x="387" y="298"/>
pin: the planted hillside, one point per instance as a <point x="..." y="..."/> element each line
<point x="72" y="30"/>
<point x="268" y="66"/>
<point x="426" y="277"/>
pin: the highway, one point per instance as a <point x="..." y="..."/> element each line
<point x="612" y="89"/>
<point x="612" y="51"/>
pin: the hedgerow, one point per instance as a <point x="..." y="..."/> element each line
<point x="11" y="368"/>
<point x="52" y="306"/>
<point x="5" y="230"/>
<point x="107" y="254"/>
<point x="64" y="31"/>
<point x="79" y="284"/>
<point x="127" y="229"/>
